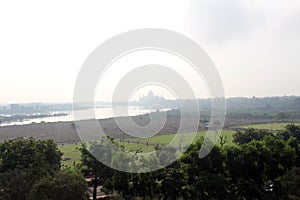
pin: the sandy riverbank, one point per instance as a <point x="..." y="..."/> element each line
<point x="63" y="132"/>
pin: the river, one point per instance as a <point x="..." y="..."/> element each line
<point x="100" y="113"/>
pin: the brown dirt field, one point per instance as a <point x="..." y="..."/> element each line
<point x="64" y="132"/>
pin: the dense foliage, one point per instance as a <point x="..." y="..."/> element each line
<point x="261" y="165"/>
<point x="62" y="186"/>
<point x="30" y="169"/>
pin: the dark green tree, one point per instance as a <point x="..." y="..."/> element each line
<point x="41" y="156"/>
<point x="172" y="183"/>
<point x="92" y="166"/>
<point x="291" y="130"/>
<point x="143" y="185"/>
<point x="206" y="174"/>
<point x="23" y="162"/>
<point x="290" y="182"/>
<point x="62" y="186"/>
<point x="16" y="184"/>
<point x="246" y="136"/>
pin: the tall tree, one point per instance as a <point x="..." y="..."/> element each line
<point x="63" y="186"/>
<point x="290" y="182"/>
<point x="23" y="162"/>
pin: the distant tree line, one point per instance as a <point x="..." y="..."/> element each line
<point x="270" y="108"/>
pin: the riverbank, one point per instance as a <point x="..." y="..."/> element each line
<point x="65" y="132"/>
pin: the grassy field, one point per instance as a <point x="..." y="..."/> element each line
<point x="165" y="139"/>
<point x="71" y="152"/>
<point x="270" y="126"/>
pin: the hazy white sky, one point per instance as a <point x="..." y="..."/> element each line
<point x="255" y="44"/>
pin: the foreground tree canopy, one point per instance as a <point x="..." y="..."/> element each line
<point x="29" y="169"/>
<point x="260" y="165"/>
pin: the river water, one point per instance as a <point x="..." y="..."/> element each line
<point x="100" y="113"/>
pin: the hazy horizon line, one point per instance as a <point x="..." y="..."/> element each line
<point x="109" y="102"/>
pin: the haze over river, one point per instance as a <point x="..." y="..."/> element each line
<point x="101" y="113"/>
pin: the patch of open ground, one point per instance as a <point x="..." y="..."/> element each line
<point x="71" y="154"/>
<point x="138" y="144"/>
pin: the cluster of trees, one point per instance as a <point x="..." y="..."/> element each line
<point x="31" y="169"/>
<point x="261" y="165"/>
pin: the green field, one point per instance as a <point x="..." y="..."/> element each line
<point x="166" y="138"/>
<point x="270" y="126"/>
<point x="71" y="152"/>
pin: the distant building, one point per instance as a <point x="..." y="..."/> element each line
<point x="150" y="99"/>
<point x="207" y="125"/>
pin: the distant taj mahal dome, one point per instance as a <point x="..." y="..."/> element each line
<point x="151" y="99"/>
